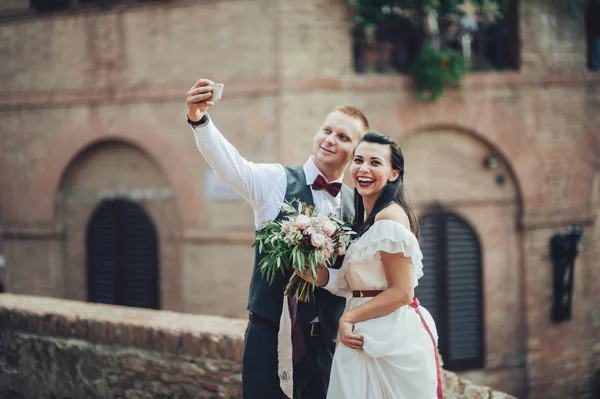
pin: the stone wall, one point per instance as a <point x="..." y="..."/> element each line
<point x="55" y="348"/>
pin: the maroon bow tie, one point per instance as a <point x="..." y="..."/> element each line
<point x="322" y="184"/>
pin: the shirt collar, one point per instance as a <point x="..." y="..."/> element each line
<point x="311" y="172"/>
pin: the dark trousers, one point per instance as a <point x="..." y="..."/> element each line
<point x="260" y="378"/>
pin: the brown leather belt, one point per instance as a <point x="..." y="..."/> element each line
<point x="366" y="293"/>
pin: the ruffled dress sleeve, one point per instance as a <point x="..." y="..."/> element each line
<point x="391" y="237"/>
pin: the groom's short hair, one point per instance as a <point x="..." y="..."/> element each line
<point x="355" y="113"/>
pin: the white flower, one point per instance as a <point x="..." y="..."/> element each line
<point x="320" y="220"/>
<point x="317" y="240"/>
<point x="310" y="231"/>
<point x="327" y="249"/>
<point x="302" y="222"/>
<point x="329" y="228"/>
<point x="287" y="227"/>
<point x="344" y="241"/>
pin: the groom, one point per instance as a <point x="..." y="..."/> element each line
<point x="266" y="186"/>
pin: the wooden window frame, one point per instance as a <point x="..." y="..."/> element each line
<point x="362" y="49"/>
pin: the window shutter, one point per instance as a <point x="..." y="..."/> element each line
<point x="122" y="256"/>
<point x="49" y="5"/>
<point x="140" y="272"/>
<point x="451" y="288"/>
<point x="427" y="290"/>
<point x="102" y="257"/>
<point x="465" y="326"/>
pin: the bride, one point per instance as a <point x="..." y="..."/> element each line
<point x="387" y="342"/>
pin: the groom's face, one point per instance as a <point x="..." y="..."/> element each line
<point x="335" y="141"/>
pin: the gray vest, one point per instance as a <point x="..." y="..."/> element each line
<point x="266" y="300"/>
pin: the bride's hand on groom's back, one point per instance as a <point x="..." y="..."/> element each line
<point x="347" y="336"/>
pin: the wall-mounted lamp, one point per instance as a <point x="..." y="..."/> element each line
<point x="490" y="162"/>
<point x="564" y="248"/>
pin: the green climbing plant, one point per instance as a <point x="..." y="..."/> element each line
<point x="439" y="21"/>
<point x="436" y="68"/>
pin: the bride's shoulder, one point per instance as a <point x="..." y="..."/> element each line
<point x="394" y="213"/>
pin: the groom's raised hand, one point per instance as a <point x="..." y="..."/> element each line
<point x="198" y="99"/>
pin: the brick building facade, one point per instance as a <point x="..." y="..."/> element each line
<point x="92" y="108"/>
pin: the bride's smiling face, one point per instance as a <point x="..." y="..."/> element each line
<point x="371" y="169"/>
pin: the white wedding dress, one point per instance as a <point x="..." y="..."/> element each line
<point x="399" y="356"/>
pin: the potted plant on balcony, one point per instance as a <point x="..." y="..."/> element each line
<point x="446" y="29"/>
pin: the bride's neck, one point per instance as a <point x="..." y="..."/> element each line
<point x="368" y="207"/>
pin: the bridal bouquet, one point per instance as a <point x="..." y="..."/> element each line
<point x="302" y="241"/>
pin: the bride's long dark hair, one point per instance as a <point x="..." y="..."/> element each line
<point x="393" y="192"/>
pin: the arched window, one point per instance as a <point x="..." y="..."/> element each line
<point x="451" y="288"/>
<point x="122" y="256"/>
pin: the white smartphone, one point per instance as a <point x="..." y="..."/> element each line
<point x="217" y="91"/>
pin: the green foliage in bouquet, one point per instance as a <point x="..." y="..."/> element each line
<point x="434" y="69"/>
<point x="303" y="241"/>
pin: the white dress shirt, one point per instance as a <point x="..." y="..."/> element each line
<point x="263" y="185"/>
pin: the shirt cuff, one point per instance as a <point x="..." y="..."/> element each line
<point x="333" y="276"/>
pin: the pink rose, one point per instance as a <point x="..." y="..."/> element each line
<point x="329" y="228"/>
<point x="317" y="240"/>
<point x="302" y="222"/>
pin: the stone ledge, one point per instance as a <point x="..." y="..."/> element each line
<point x="163" y="331"/>
<point x="187" y="353"/>
<point x="455" y="387"/>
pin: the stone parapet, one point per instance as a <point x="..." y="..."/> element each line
<point x="58" y="348"/>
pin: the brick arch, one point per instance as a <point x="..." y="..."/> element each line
<point x="479" y="118"/>
<point x="176" y="168"/>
